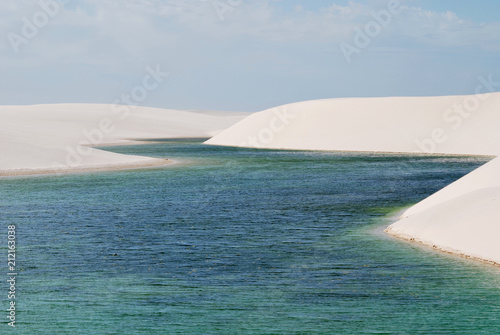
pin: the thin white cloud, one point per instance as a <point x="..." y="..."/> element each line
<point x="124" y="36"/>
<point x="136" y="25"/>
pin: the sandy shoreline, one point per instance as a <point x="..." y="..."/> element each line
<point x="462" y="218"/>
<point x="85" y="169"/>
<point x="385" y="231"/>
<point x="441" y="249"/>
<point x="65" y="138"/>
<point x="373" y="153"/>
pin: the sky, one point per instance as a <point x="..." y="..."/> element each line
<point x="243" y="55"/>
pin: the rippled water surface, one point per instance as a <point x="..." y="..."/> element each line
<point x="236" y="241"/>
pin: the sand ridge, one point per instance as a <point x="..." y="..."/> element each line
<point x="462" y="218"/>
<point x="64" y="137"/>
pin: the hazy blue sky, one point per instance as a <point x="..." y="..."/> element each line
<point x="243" y="55"/>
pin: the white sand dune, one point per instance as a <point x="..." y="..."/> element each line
<point x="374" y="125"/>
<point x="467" y="225"/>
<point x="463" y="218"/>
<point x="57" y="138"/>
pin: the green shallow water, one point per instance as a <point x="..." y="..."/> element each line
<point x="236" y="241"/>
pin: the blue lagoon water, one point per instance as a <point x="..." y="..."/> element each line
<point x="238" y="241"/>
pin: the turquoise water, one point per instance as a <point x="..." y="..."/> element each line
<point x="236" y="241"/>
